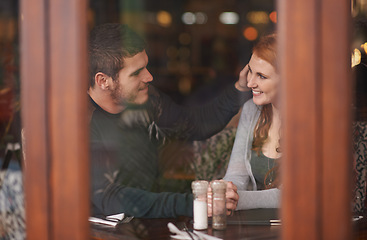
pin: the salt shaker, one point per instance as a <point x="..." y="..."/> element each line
<point x="219" y="221"/>
<point x="199" y="190"/>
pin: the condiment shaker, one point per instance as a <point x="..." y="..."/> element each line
<point x="199" y="190"/>
<point x="219" y="210"/>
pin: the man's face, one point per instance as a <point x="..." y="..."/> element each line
<point x="133" y="81"/>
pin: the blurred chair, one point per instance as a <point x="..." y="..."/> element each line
<point x="12" y="212"/>
<point x="360" y="167"/>
<point x="211" y="156"/>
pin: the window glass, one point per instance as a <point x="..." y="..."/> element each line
<point x="12" y="215"/>
<point x="359" y="69"/>
<point x="9" y="75"/>
<point x="195" y="49"/>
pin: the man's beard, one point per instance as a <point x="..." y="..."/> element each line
<point x="116" y="95"/>
<point x="130" y="99"/>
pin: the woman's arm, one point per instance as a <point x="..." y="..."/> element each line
<point x="238" y="165"/>
<point x="259" y="199"/>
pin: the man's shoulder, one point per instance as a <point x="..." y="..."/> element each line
<point x="91" y="109"/>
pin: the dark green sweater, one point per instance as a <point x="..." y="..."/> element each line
<point x="124" y="151"/>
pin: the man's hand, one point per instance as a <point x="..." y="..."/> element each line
<point x="241" y="84"/>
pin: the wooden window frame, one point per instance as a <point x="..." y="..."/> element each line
<point x="314" y="46"/>
<point x="315" y="64"/>
<point x="54" y="107"/>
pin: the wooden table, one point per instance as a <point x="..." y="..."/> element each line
<point x="156" y="229"/>
<point x="238" y="227"/>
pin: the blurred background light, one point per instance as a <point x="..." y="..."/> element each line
<point x="273" y="16"/>
<point x="201" y="18"/>
<point x="188" y="18"/>
<point x="356" y="57"/>
<point x="364" y="46"/>
<point x="250" y="33"/>
<point x="229" y="18"/>
<point x="164" y="18"/>
<point x="257" y="17"/>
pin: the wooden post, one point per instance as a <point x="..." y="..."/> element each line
<point x="315" y="69"/>
<point x="33" y="76"/>
<point x="54" y="105"/>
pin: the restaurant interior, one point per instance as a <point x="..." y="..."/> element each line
<point x="196" y="48"/>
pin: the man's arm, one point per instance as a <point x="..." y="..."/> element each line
<point x="139" y="203"/>
<point x="110" y="196"/>
<point x="200" y="122"/>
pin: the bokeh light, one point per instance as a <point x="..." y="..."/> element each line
<point x="356" y="57"/>
<point x="188" y="18"/>
<point x="229" y="18"/>
<point x="273" y="16"/>
<point x="164" y="18"/>
<point x="250" y="33"/>
<point x="201" y="18"/>
<point x="364" y="46"/>
<point x="257" y="17"/>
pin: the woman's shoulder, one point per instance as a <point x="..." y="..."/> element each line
<point x="251" y="106"/>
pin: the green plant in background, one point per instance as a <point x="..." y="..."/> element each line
<point x="211" y="156"/>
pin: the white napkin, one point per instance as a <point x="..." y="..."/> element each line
<point x="111" y="220"/>
<point x="184" y="235"/>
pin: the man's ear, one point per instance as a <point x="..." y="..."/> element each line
<point x="102" y="80"/>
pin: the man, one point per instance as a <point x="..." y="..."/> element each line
<point x="129" y="121"/>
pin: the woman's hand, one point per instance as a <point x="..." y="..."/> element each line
<point x="241" y="84"/>
<point x="231" y="198"/>
<point x="210" y="201"/>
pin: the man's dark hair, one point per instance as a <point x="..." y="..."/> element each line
<point x="108" y="45"/>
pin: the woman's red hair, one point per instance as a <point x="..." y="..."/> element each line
<point x="265" y="49"/>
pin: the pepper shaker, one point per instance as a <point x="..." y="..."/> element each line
<point x="219" y="221"/>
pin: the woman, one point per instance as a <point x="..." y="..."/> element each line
<point x="256" y="151"/>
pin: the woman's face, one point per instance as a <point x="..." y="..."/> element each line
<point x="263" y="79"/>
